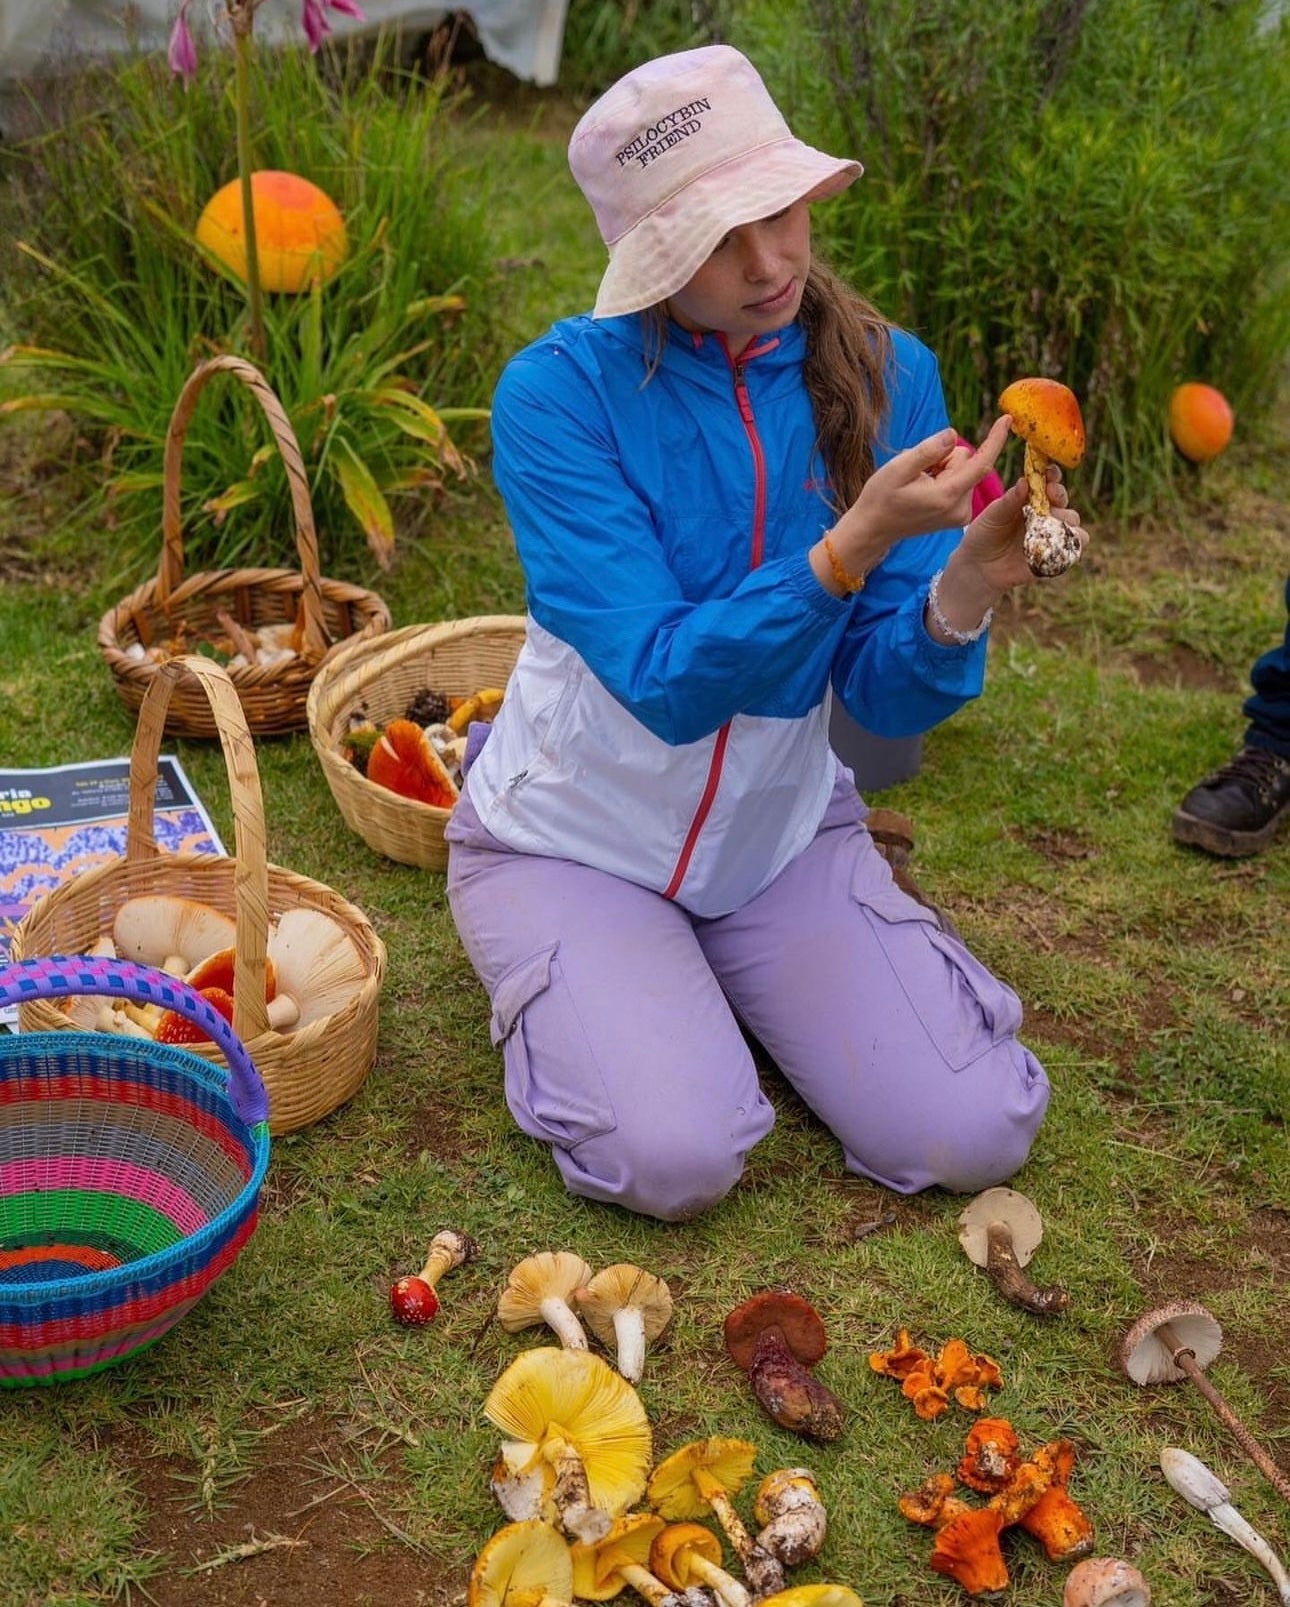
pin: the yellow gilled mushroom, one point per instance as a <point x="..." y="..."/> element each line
<point x="540" y="1289"/>
<point x="627" y="1308"/>
<point x="792" y="1516"/>
<point x="522" y="1565"/>
<point x="1046" y="415"/>
<point x="619" y="1560"/>
<point x="686" y="1554"/>
<point x="579" y="1443"/>
<point x="700" y="1478"/>
<point x="813" y="1596"/>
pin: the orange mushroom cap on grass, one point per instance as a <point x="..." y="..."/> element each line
<point x="299" y="232"/>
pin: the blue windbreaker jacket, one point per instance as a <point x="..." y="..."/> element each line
<point x="667" y="720"/>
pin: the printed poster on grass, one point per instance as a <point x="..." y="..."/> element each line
<point x="56" y="823"/>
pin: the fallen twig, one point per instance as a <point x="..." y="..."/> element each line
<point x="248" y="1548"/>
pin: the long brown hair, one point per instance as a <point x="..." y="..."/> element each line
<point x="848" y="343"/>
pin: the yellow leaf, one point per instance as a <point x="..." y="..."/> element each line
<point x="365" y="501"/>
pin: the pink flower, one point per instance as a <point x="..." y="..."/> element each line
<point x="348" y="8"/>
<point x="313" y="17"/>
<point x="181" y="55"/>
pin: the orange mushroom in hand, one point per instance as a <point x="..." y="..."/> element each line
<point x="1046" y="415"/>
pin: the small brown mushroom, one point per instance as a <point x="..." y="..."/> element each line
<point x="1000" y="1230"/>
<point x="777" y="1337"/>
<point x="627" y="1308"/>
<point x="1105" y="1582"/>
<point x="1179" y="1341"/>
<point x="540" y="1289"/>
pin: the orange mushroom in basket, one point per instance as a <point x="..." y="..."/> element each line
<point x="404" y="760"/>
<point x="1046" y="415"/>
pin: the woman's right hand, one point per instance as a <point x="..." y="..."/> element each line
<point x="926" y="487"/>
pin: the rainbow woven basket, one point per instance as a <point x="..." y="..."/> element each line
<point x="130" y="1173"/>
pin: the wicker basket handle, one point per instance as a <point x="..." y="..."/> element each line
<point x="251" y="880"/>
<point x="315" y="640"/>
<point x="61" y="975"/>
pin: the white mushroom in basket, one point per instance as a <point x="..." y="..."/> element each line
<point x="174" y="934"/>
<point x="317" y="967"/>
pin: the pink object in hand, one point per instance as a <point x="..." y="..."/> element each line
<point x="986" y="491"/>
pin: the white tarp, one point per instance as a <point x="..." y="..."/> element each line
<point x="43" y="37"/>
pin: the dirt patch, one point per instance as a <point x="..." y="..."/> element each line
<point x="295" y="1533"/>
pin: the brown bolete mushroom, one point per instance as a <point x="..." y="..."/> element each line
<point x="686" y="1554"/>
<point x="579" y="1442"/>
<point x="791" y="1514"/>
<point x="1105" y="1582"/>
<point x="702" y="1477"/>
<point x="1046" y="415"/>
<point x="777" y="1337"/>
<point x="525" y="1564"/>
<point x="413" y="1300"/>
<point x="626" y="1308"/>
<point x="540" y="1289"/>
<point x="1000" y="1230"/>
<point x="1179" y="1341"/>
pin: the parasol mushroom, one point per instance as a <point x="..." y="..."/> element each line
<point x="1000" y="1230"/>
<point x="687" y="1554"/>
<point x="1046" y="415"/>
<point x="777" y="1337"/>
<point x="627" y="1308"/>
<point x="1179" y="1341"/>
<point x="413" y="1300"/>
<point x="539" y="1289"/>
<point x="523" y="1565"/>
<point x="792" y="1516"/>
<point x="620" y="1559"/>
<point x="702" y="1477"/>
<point x="1105" y="1582"/>
<point x="579" y="1442"/>
<point x="1204" y="1489"/>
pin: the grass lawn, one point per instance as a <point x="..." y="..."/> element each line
<point x="287" y="1444"/>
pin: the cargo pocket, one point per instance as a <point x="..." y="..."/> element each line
<point x="963" y="1008"/>
<point x="553" y="1083"/>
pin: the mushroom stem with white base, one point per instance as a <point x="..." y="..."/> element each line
<point x="1179" y="1341"/>
<point x="1204" y="1489"/>
<point x="1000" y="1230"/>
<point x="792" y="1516"/>
<point x="1046" y="415"/>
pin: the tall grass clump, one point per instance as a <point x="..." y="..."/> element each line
<point x="1095" y="190"/>
<point x="603" y="39"/>
<point x="111" y="302"/>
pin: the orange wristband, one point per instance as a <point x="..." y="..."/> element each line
<point x="842" y="577"/>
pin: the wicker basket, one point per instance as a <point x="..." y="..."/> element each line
<point x="130" y="1173"/>
<point x="328" y="612"/>
<point x="309" y="1071"/>
<point x="382" y="676"/>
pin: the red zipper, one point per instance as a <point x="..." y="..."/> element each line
<point x="744" y="403"/>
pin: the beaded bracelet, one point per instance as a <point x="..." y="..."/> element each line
<point x="841" y="575"/>
<point x="961" y="638"/>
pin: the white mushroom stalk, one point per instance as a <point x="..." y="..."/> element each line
<point x="1198" y="1484"/>
<point x="626" y="1307"/>
<point x="540" y="1289"/>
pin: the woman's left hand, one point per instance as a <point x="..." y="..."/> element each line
<point x="992" y="543"/>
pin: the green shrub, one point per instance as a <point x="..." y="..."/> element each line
<point x="112" y="304"/>
<point x="1096" y="190"/>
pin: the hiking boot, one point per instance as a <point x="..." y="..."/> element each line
<point x="1237" y="810"/>
<point x="893" y="837"/>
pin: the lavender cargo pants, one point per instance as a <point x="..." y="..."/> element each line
<point x="618" y="1014"/>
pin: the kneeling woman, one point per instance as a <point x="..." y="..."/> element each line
<point x="735" y="495"/>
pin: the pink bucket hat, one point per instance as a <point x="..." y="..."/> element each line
<point x="675" y="155"/>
